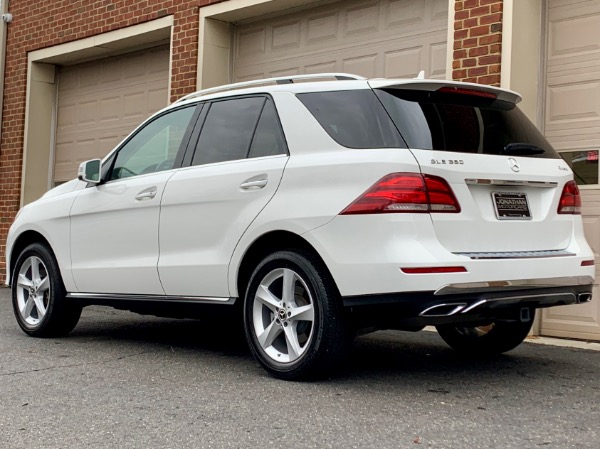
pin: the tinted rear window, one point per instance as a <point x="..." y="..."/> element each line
<point x="463" y="123"/>
<point x="353" y="118"/>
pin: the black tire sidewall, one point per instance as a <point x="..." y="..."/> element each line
<point x="503" y="337"/>
<point x="325" y="315"/>
<point x="57" y="310"/>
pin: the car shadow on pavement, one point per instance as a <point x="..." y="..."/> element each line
<point x="382" y="356"/>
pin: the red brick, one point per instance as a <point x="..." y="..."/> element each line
<point x="478" y="51"/>
<point x="491" y="18"/>
<point x="491" y="59"/>
<point x="477" y="71"/>
<point x="493" y="80"/>
<point x="471" y="62"/>
<point x="479" y="31"/>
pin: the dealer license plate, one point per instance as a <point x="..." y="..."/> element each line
<point x="511" y="206"/>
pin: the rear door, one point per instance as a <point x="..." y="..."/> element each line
<point x="234" y="171"/>
<point x="505" y="175"/>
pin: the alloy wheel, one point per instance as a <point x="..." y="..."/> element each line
<point x="283" y="315"/>
<point x="33" y="290"/>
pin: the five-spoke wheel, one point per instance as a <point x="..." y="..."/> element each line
<point x="39" y="297"/>
<point x="293" y="316"/>
<point x="33" y="290"/>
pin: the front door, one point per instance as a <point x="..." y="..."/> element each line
<point x="114" y="226"/>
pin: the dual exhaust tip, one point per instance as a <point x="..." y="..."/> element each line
<point x="449" y="309"/>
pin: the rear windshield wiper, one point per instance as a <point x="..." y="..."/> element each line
<point x="522" y="149"/>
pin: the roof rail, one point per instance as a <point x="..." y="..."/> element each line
<point x="277" y="80"/>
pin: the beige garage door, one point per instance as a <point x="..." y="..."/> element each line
<point x="100" y="102"/>
<point x="389" y="38"/>
<point x="572" y="124"/>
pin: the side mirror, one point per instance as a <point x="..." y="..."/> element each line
<point x="89" y="171"/>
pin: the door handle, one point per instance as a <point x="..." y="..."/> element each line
<point x="254" y="184"/>
<point x="147" y="194"/>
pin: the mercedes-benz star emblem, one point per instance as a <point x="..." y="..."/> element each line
<point x="514" y="165"/>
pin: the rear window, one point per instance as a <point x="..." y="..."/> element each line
<point x="463" y="123"/>
<point x="353" y="118"/>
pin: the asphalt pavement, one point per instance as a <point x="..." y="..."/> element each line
<point x="123" y="380"/>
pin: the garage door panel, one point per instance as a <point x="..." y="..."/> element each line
<point x="321" y="28"/>
<point x="572" y="122"/>
<point x="403" y="13"/>
<point x="101" y="102"/>
<point x="286" y="36"/>
<point x="574" y="35"/>
<point x="362" y="18"/>
<point x="361" y="35"/>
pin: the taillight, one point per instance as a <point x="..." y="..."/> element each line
<point x="570" y="200"/>
<point x="408" y="193"/>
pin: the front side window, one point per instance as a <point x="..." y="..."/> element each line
<point x="154" y="147"/>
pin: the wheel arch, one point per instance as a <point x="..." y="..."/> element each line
<point x="267" y="244"/>
<point x="23" y="241"/>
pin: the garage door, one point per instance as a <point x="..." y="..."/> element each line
<point x="572" y="124"/>
<point x="389" y="38"/>
<point x="100" y="102"/>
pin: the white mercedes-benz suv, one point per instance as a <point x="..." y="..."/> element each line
<point x="315" y="207"/>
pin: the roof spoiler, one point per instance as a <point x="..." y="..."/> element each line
<point x="433" y="85"/>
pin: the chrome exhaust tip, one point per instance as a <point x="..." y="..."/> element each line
<point x="441" y="310"/>
<point x="584" y="297"/>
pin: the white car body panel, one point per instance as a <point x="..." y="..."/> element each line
<point x="469" y="231"/>
<point x="204" y="213"/>
<point x="114" y="236"/>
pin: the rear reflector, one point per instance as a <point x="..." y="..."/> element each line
<point x="463" y="91"/>
<point x="570" y="200"/>
<point x="406" y="193"/>
<point x="587" y="263"/>
<point x="433" y="270"/>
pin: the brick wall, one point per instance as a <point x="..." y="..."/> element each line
<point x="43" y="23"/>
<point x="477" y="41"/>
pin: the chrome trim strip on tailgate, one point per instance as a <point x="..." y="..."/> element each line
<point x="517" y="254"/>
<point x="509" y="182"/>
<point x="475" y="287"/>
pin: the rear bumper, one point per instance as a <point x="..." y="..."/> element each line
<point x="469" y="303"/>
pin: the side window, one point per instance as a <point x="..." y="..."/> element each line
<point x="154" y="147"/>
<point x="268" y="138"/>
<point x="354" y="118"/>
<point x="228" y="130"/>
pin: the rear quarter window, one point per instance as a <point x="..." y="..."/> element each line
<point x="353" y="118"/>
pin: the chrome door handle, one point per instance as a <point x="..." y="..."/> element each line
<point x="147" y="194"/>
<point x="254" y="184"/>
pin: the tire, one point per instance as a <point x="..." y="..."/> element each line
<point x="299" y="335"/>
<point x="39" y="296"/>
<point x="492" y="339"/>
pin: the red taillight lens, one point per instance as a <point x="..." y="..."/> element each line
<point x="408" y="193"/>
<point x="570" y="200"/>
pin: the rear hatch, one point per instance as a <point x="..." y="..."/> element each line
<point x="507" y="178"/>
